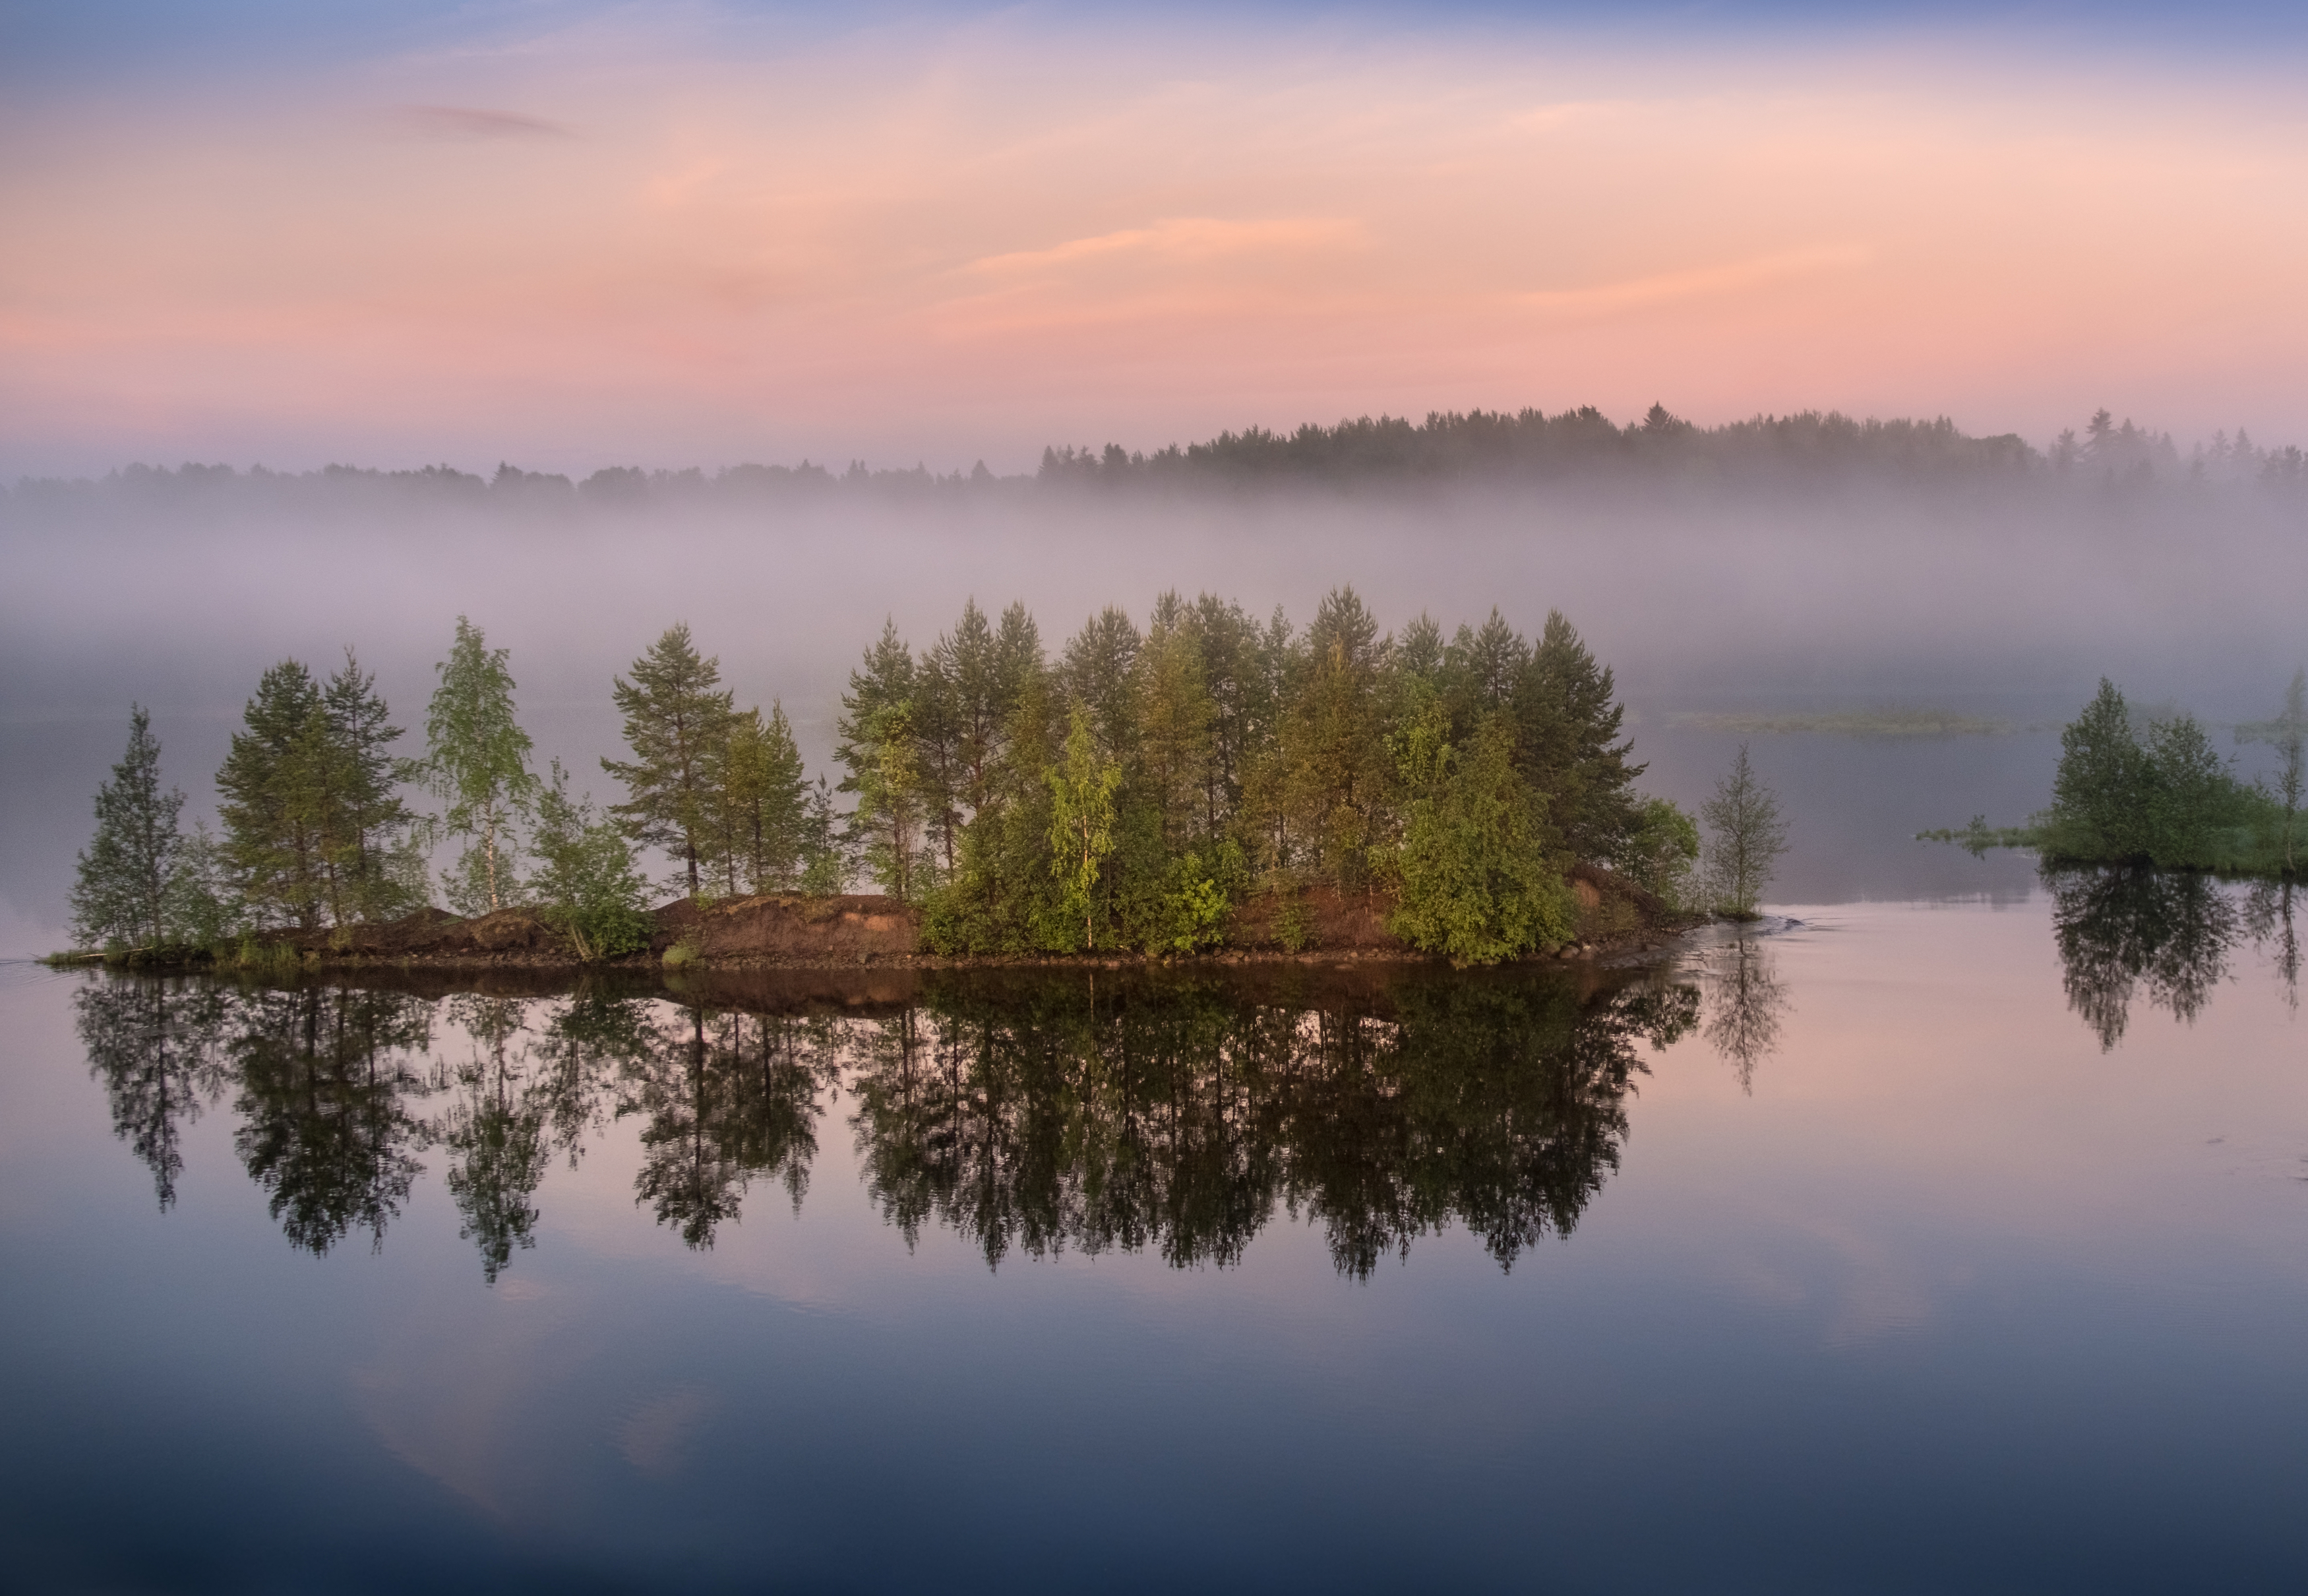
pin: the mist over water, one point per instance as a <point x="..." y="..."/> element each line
<point x="2007" y="604"/>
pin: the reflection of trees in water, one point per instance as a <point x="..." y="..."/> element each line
<point x="2129" y="931"/>
<point x="325" y="1130"/>
<point x="2126" y="931"/>
<point x="151" y="1041"/>
<point x="1032" y="1113"/>
<point x="727" y="1096"/>
<point x="1181" y="1117"/>
<point x="494" y="1133"/>
<point x="1745" y="1003"/>
<point x="2268" y="916"/>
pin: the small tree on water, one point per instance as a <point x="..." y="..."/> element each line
<point x="1747" y="838"/>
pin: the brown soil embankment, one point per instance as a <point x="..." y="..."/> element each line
<point x="788" y="931"/>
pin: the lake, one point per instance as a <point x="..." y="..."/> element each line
<point x="1957" y="1241"/>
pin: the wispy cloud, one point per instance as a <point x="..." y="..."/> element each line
<point x="1731" y="277"/>
<point x="468" y="122"/>
<point x="1186" y="238"/>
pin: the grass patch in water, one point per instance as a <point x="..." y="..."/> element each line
<point x="1874" y="722"/>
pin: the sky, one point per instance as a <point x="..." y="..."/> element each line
<point x="574" y="235"/>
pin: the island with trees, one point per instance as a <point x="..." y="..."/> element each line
<point x="1211" y="784"/>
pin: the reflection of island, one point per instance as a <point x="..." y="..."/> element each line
<point x="1033" y="1112"/>
<point x="1181" y="1115"/>
<point x="2125" y="931"/>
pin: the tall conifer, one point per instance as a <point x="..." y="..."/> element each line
<point x="121" y="894"/>
<point x="676" y="722"/>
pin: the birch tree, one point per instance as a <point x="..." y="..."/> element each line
<point x="477" y="761"/>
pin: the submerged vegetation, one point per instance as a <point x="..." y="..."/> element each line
<point x="2153" y="792"/>
<point x="1142" y="790"/>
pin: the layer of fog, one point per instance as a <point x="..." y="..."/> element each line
<point x="2011" y="609"/>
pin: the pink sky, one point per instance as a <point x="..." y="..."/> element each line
<point x="945" y="244"/>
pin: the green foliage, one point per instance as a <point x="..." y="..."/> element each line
<point x="125" y="893"/>
<point x="894" y="800"/>
<point x="1747" y="837"/>
<point x="1477" y="880"/>
<point x="1569" y="722"/>
<point x="2165" y="800"/>
<point x="1661" y="851"/>
<point x="677" y="722"/>
<point x="311" y="823"/>
<point x="476" y="760"/>
<point x="1082" y="820"/>
<point x="761" y="832"/>
<point x="586" y="885"/>
<point x="203" y="910"/>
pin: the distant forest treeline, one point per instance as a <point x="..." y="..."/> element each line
<point x="1475" y="447"/>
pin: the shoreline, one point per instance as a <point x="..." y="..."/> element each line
<point x="1618" y="921"/>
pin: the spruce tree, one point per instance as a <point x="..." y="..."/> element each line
<point x="272" y="799"/>
<point x="362" y="818"/>
<point x="477" y="759"/>
<point x="121" y="896"/>
<point x="1571" y="746"/>
<point x="676" y="722"/>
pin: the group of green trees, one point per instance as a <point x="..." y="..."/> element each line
<point x="2160" y="794"/>
<point x="1137" y="788"/>
<point x="1134" y="791"/>
<point x="315" y="836"/>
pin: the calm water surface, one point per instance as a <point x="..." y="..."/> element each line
<point x="1903" y="1247"/>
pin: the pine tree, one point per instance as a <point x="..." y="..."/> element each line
<point x="675" y="722"/>
<point x="121" y="896"/>
<point x="477" y="759"/>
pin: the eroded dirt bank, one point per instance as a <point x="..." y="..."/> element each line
<point x="853" y="930"/>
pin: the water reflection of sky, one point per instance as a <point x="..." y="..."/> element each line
<point x="1946" y="1295"/>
